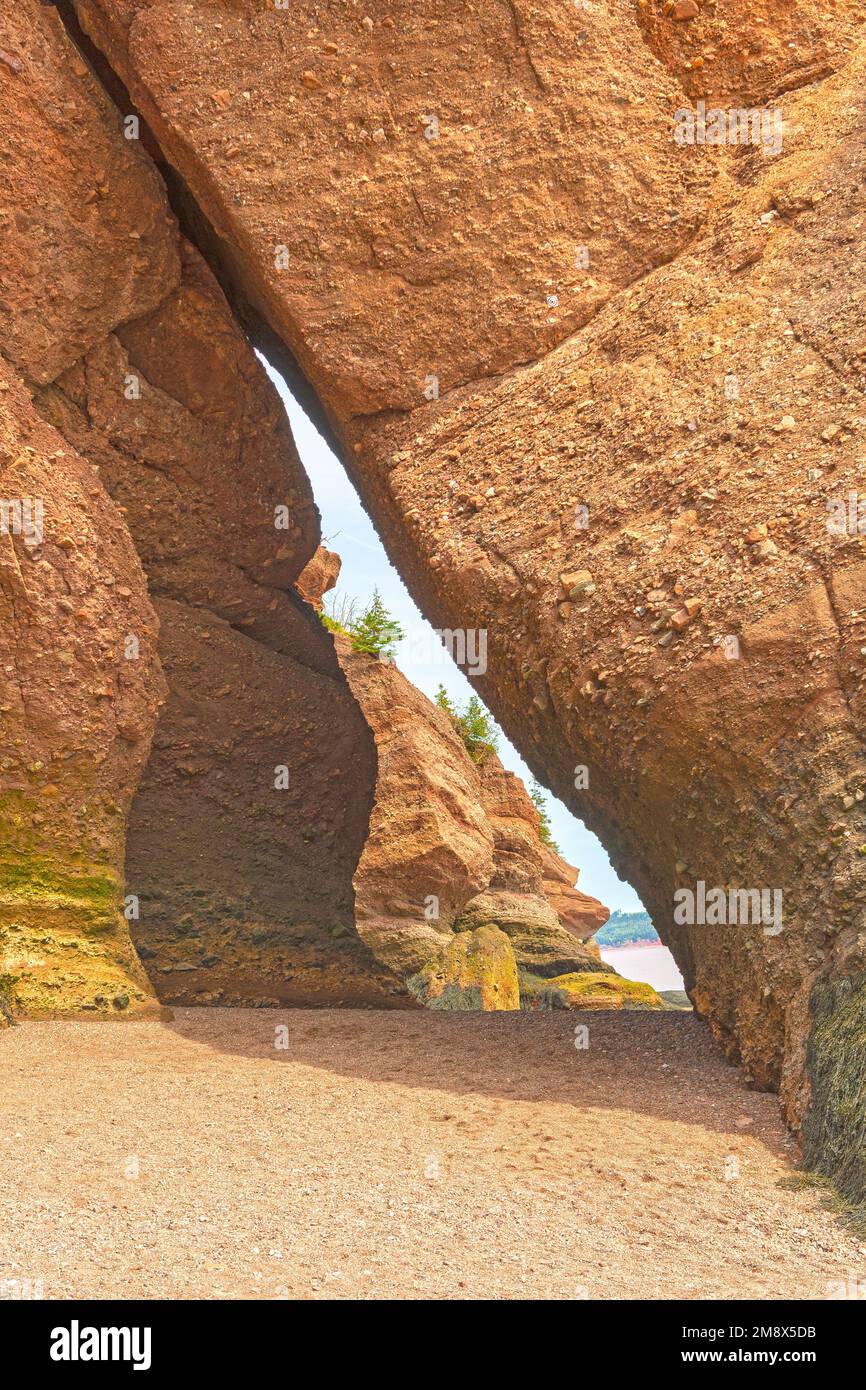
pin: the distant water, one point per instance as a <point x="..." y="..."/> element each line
<point x="652" y="964"/>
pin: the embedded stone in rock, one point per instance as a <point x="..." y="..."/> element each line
<point x="80" y="686"/>
<point x="476" y="970"/>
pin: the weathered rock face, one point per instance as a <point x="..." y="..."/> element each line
<point x="429" y="847"/>
<point x="628" y="672"/>
<point x="242" y="885"/>
<point x="87" y="242"/>
<point x="88" y="239"/>
<point x="406" y="196"/>
<point x="750" y="50"/>
<point x="476" y="970"/>
<point x="578" y="912"/>
<point x="79" y="693"/>
<point x="515" y="898"/>
<point x="453" y="845"/>
<point x="248" y="825"/>
<point x="665" y="605"/>
<point x="252" y="813"/>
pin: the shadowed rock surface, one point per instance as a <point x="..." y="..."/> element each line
<point x="87" y="242"/>
<point x="78" y="707"/>
<point x="241" y="890"/>
<point x="245" y="886"/>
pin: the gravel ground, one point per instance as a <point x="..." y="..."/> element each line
<point x="383" y="1155"/>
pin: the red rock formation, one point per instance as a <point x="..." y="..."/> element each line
<point x="639" y="517"/>
<point x="750" y="51"/>
<point x="601" y="393"/>
<point x="516" y="898"/>
<point x="135" y="357"/>
<point x="429" y="847"/>
<point x="88" y="239"/>
<point x="440" y="163"/>
<point x="578" y="912"/>
<point x="452" y="844"/>
<point x="87" y="243"/>
<point x="253" y="879"/>
<point x="79" y="690"/>
<point x="247" y="827"/>
<point x="319" y="575"/>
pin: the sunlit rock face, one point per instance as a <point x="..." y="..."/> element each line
<point x="546" y="920"/>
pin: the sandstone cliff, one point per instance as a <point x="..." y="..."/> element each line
<point x="250" y="814"/>
<point x="516" y="898"/>
<point x="80" y="689"/>
<point x="597" y="393"/>
<point x="600" y="391"/>
<point x="453" y="846"/>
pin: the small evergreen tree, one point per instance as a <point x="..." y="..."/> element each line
<point x="472" y="722"/>
<point x="477" y="728"/>
<point x="376" y="632"/>
<point x="443" y="700"/>
<point x="539" y="800"/>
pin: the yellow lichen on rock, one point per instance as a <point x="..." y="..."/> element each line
<point x="597" y="990"/>
<point x="477" y="970"/>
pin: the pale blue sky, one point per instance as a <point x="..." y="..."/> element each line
<point x="347" y="529"/>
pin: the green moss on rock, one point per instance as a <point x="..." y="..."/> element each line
<point x="64" y="942"/>
<point x="834" y="1130"/>
<point x="476" y="971"/>
<point x="598" y="990"/>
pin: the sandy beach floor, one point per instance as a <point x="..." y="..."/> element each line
<point x="382" y="1155"/>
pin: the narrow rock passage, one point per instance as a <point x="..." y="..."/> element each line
<point x="400" y="1155"/>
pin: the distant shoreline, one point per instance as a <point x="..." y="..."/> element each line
<point x="632" y="946"/>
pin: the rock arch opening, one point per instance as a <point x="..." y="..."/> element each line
<point x="597" y="408"/>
